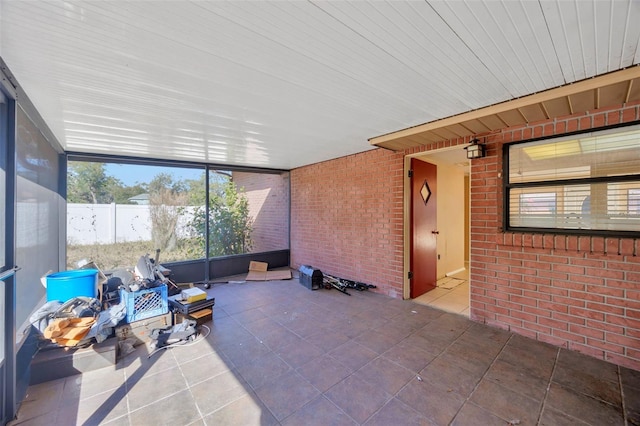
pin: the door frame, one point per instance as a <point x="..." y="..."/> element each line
<point x="424" y="155"/>
<point x="8" y="403"/>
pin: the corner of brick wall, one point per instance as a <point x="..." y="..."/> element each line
<point x="577" y="292"/>
<point x="347" y="218"/>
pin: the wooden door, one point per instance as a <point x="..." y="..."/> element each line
<point x="424" y="230"/>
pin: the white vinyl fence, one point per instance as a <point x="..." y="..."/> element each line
<point x="115" y="223"/>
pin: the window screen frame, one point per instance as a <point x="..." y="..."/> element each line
<point x="507" y="187"/>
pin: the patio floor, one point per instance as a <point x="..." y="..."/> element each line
<point x="279" y="353"/>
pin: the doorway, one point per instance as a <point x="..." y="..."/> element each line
<point x="450" y="233"/>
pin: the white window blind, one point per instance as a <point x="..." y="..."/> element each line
<point x="587" y="182"/>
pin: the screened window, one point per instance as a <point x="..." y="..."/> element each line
<point x="587" y="183"/>
<point x="119" y="211"/>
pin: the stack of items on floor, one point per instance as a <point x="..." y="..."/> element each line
<point x="85" y="306"/>
<point x="192" y="304"/>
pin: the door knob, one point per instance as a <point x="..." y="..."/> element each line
<point x="435" y="232"/>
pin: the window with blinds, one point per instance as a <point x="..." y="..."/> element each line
<point x="587" y="183"/>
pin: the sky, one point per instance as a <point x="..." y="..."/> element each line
<point x="130" y="174"/>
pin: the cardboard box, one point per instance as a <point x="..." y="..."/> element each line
<point x="258" y="266"/>
<point x="141" y="330"/>
<point x="201" y="317"/>
<point x="258" y="272"/>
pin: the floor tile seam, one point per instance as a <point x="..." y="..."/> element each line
<point x="102" y="392"/>
<point x="582" y="393"/>
<point x="250" y="393"/>
<point x="125" y="382"/>
<point x="230" y="369"/>
<point x="584" y="372"/>
<point x="324" y="394"/>
<point x="147" y="375"/>
<point x="592" y="397"/>
<point x="21" y="421"/>
<point x="622" y="396"/>
<point x="321" y="395"/>
<point x="384" y="405"/>
<point x="264" y="403"/>
<point x="189" y="386"/>
<point x="400" y="365"/>
<point x="199" y="357"/>
<point x="477" y="385"/>
<point x="116" y="419"/>
<point x="548" y="388"/>
<point x="385" y="359"/>
<point x="577" y="420"/>
<point x="171" y="395"/>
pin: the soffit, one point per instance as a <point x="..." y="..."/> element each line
<point x="285" y="84"/>
<point x="611" y="89"/>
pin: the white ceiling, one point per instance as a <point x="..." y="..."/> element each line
<point x="285" y="84"/>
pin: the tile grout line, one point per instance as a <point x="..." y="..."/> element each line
<point x="186" y="381"/>
<point x="622" y="398"/>
<point x="546" y="392"/>
<point x="481" y="379"/>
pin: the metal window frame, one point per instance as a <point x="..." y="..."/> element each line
<point x="8" y="376"/>
<point x="507" y="187"/>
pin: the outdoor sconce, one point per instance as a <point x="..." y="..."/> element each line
<point x="475" y="150"/>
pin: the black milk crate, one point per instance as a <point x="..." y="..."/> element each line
<point x="145" y="303"/>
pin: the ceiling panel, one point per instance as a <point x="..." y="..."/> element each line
<point x="285" y="84"/>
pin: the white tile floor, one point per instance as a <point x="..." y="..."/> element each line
<point x="455" y="300"/>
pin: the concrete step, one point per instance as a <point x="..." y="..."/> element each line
<point x="56" y="363"/>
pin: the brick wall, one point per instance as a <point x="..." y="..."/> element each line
<point x="346" y="218"/>
<point x="578" y="292"/>
<point x="268" y="196"/>
<point x="581" y="293"/>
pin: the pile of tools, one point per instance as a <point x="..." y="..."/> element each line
<point x="342" y="284"/>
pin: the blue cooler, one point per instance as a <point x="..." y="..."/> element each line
<point x="66" y="285"/>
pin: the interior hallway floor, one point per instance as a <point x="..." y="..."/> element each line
<point x="447" y="297"/>
<point x="280" y="354"/>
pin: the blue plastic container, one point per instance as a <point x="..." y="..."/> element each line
<point x="66" y="285"/>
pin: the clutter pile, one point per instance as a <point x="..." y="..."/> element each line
<point x="128" y="305"/>
<point x="314" y="279"/>
<point x="342" y="284"/>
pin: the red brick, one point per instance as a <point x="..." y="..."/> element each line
<point x="606" y="346"/>
<point x="597" y="245"/>
<point x="524" y="332"/>
<point x="605" y="326"/>
<point x="607" y="309"/>
<point x="569" y="337"/>
<point x="572" y="243"/>
<point x="586" y="331"/>
<point x="587" y="350"/>
<point x="553" y="323"/>
<point x="631" y="361"/>
<point x="584" y="243"/>
<point x="605" y="290"/>
<point x="568" y="318"/>
<point x="623" y="340"/>
<point x="508" y="320"/>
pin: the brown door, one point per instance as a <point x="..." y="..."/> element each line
<point x="424" y="230"/>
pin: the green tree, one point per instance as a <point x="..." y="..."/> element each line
<point x="166" y="200"/>
<point x="121" y="194"/>
<point x="230" y="225"/>
<point x="88" y="183"/>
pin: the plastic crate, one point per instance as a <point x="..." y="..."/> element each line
<point x="145" y="303"/>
